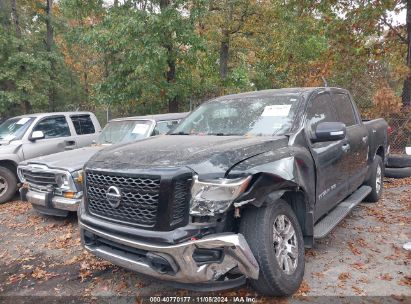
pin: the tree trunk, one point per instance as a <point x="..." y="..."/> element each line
<point x="16" y="22"/>
<point x="171" y="61"/>
<point x="49" y="47"/>
<point x="406" y="92"/>
<point x="25" y="104"/>
<point x="224" y="54"/>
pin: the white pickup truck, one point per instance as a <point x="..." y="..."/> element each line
<point x="32" y="135"/>
<point x="53" y="183"/>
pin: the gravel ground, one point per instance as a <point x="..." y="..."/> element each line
<point x="361" y="260"/>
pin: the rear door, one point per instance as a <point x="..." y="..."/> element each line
<point x="355" y="166"/>
<point x="84" y="129"/>
<point x="329" y="157"/>
<point x="57" y="137"/>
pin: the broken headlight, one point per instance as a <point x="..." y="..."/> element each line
<point x="215" y="196"/>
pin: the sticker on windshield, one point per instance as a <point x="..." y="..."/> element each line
<point x="23" y="120"/>
<point x="140" y="129"/>
<point x="276" y="110"/>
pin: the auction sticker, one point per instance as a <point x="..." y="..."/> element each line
<point x="140" y="129"/>
<point x="276" y="110"/>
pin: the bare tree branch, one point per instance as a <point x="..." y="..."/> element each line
<point x="402" y="38"/>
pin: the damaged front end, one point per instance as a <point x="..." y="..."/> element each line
<point x="223" y="260"/>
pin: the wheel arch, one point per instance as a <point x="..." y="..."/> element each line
<point x="9" y="164"/>
<point x="299" y="202"/>
<point x="380" y="152"/>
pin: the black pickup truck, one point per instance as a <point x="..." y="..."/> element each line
<point x="236" y="191"/>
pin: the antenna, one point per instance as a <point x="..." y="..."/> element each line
<point x="324" y="81"/>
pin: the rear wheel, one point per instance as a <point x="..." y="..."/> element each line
<point x="8" y="184"/>
<point x="275" y="238"/>
<point x="376" y="180"/>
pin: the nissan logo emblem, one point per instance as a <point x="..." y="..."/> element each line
<point x="113" y="196"/>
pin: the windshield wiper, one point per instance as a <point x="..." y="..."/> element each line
<point x="180" y="133"/>
<point x="224" y="134"/>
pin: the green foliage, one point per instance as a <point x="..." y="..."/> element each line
<point x="141" y="56"/>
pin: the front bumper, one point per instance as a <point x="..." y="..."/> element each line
<point x="142" y="256"/>
<point x="48" y="200"/>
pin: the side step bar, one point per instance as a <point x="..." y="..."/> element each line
<point x="328" y="223"/>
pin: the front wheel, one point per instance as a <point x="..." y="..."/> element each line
<point x="8" y="185"/>
<point x="276" y="240"/>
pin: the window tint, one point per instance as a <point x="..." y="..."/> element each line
<point x="53" y="127"/>
<point x="83" y="124"/>
<point x="320" y="110"/>
<point x="343" y="106"/>
<point x="162" y="127"/>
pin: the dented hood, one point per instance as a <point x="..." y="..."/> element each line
<point x="202" y="154"/>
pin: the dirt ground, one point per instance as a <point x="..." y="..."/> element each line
<point x="362" y="259"/>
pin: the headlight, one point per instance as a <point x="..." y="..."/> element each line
<point x="215" y="196"/>
<point x="62" y="181"/>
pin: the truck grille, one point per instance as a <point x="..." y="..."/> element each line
<point x="40" y="178"/>
<point x="139" y="201"/>
<point x="146" y="201"/>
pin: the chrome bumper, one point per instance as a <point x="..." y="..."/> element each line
<point x="237" y="253"/>
<point x="57" y="202"/>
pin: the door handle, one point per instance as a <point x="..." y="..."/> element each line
<point x="364" y="139"/>
<point x="345" y="147"/>
<point x="70" y="142"/>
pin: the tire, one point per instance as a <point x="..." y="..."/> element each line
<point x="257" y="226"/>
<point x="376" y="180"/>
<point x="8" y="184"/>
<point x="398" y="172"/>
<point x="398" y="161"/>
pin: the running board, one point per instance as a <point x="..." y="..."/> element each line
<point x="328" y="223"/>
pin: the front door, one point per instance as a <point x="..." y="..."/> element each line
<point x="329" y="157"/>
<point x="57" y="138"/>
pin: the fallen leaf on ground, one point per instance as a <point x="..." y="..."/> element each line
<point x="344" y="276"/>
<point x="353" y="248"/>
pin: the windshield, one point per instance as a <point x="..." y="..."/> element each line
<point x="14" y="128"/>
<point x="127" y="130"/>
<point x="257" y="116"/>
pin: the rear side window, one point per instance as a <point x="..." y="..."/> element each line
<point x="343" y="106"/>
<point x="83" y="124"/>
<point x="53" y="127"/>
<point x="320" y="110"/>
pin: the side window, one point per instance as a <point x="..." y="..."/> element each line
<point x="53" y="127"/>
<point x="320" y="110"/>
<point x="162" y="127"/>
<point x="83" y="124"/>
<point x="343" y="106"/>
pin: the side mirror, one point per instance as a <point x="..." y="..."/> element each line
<point x="329" y="131"/>
<point x="36" y="135"/>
